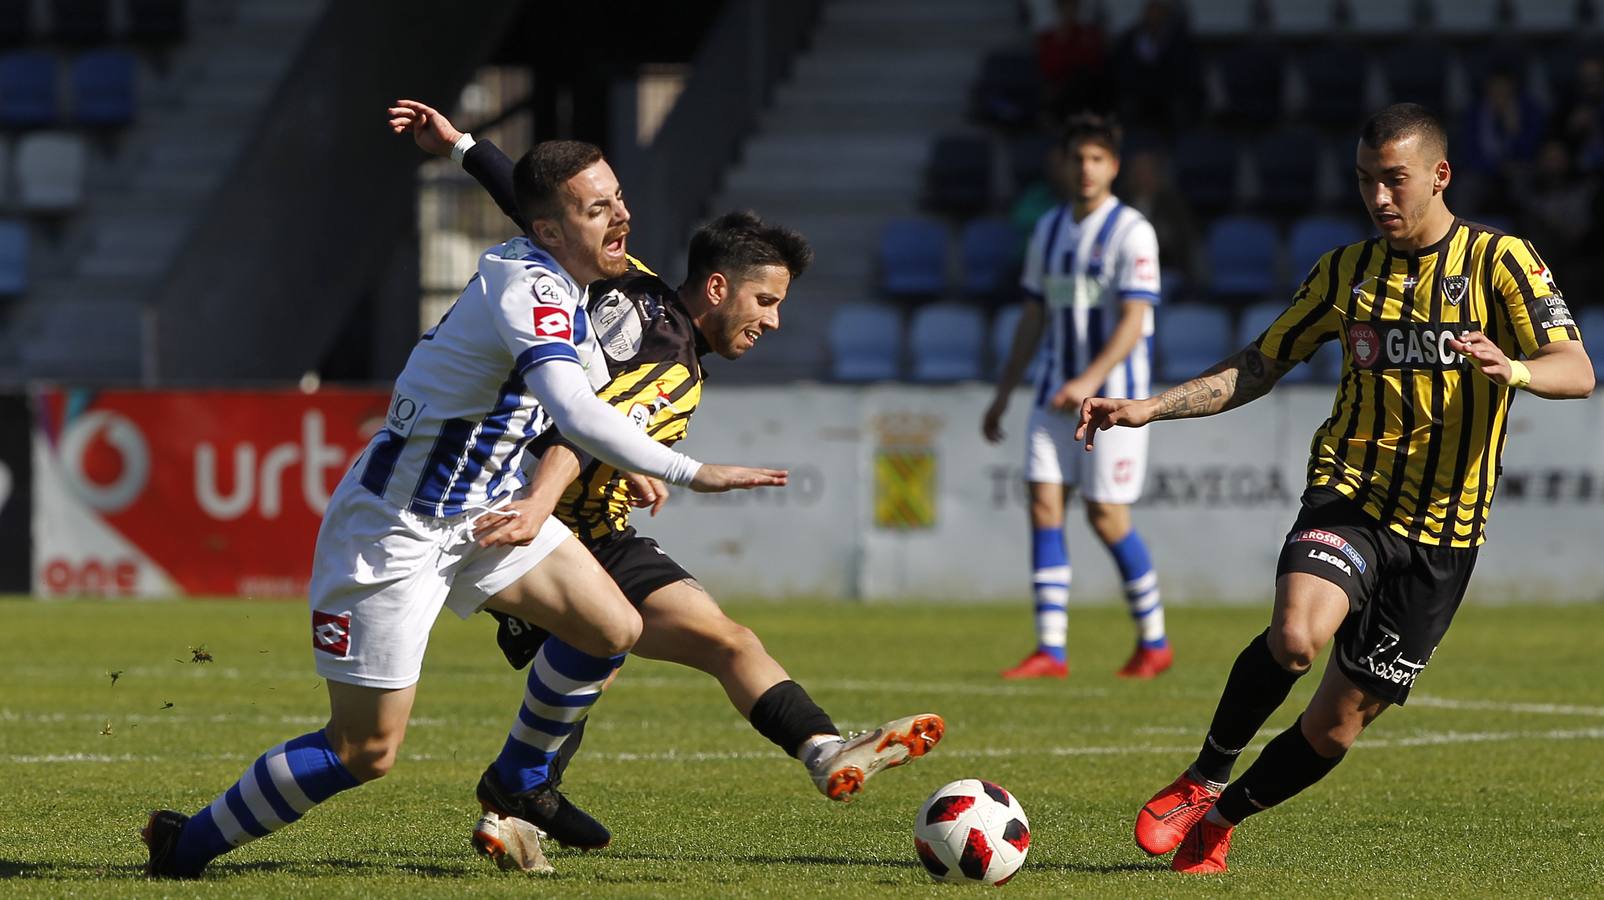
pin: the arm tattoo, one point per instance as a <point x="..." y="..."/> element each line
<point x="1242" y="378"/>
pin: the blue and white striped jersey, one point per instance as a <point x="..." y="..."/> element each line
<point x="461" y="415"/>
<point x="1084" y="272"/>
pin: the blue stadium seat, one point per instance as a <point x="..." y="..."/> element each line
<point x="1003" y="325"/>
<point x="958" y="175"/>
<point x="1301" y="18"/>
<point x="865" y="342"/>
<point x="103" y="88"/>
<point x="913" y="258"/>
<point x="1288" y="163"/>
<point x="1467" y="17"/>
<point x="1380" y="17"/>
<point x="1326" y="364"/>
<point x="50" y="171"/>
<point x="1313" y="236"/>
<point x="1591" y="323"/>
<point x="1242" y="254"/>
<point x="1008" y="91"/>
<point x="28" y="89"/>
<point x="1323" y="366"/>
<point x="80" y="21"/>
<point x="13" y="258"/>
<point x="156" y="21"/>
<point x="1190" y="337"/>
<point x="1252" y="74"/>
<point x="946" y="341"/>
<point x="1334" y="74"/>
<point x="991" y="251"/>
<point x="1205" y="170"/>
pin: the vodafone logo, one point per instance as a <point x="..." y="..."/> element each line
<point x="106" y="459"/>
<point x="553" y="323"/>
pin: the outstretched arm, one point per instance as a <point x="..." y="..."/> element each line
<point x="1239" y="379"/>
<point x="436" y="136"/>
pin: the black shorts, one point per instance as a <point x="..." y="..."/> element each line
<point x="636" y="564"/>
<point x="1402" y="595"/>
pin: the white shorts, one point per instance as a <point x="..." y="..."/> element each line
<point x="380" y="575"/>
<point x="1112" y="472"/>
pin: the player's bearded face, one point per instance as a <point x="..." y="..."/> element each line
<point x="596" y="225"/>
<point x="1399" y="181"/>
<point x="750" y="310"/>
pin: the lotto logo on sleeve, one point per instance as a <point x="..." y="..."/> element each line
<point x="331" y="633"/>
<point x="1333" y="541"/>
<point x="553" y="323"/>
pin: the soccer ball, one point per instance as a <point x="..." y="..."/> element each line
<point x="971" y="831"/>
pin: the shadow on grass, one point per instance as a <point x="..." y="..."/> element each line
<point x="301" y="868"/>
<point x="817" y="860"/>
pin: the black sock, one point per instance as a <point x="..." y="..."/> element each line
<point x="1287" y="765"/>
<point x="565" y="753"/>
<point x="786" y="715"/>
<point x="1256" y="687"/>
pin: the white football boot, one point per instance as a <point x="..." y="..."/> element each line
<point x="841" y="767"/>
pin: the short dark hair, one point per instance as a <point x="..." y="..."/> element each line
<point x="1402" y="120"/>
<point x="539" y="176"/>
<point x="1094" y="127"/>
<point x="739" y="242"/>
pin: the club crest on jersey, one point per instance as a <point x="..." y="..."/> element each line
<point x="553" y="323"/>
<point x="1365" y="344"/>
<point x="1454" y="288"/>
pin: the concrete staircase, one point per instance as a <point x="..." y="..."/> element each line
<point x="843" y="148"/>
<point x="84" y="318"/>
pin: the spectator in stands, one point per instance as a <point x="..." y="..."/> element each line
<point x="1155" y="70"/>
<point x="1580" y="115"/>
<point x="1149" y="189"/>
<point x="1072" y="58"/>
<point x="1555" y="205"/>
<point x="1503" y="130"/>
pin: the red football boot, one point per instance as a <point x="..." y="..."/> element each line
<point x="1171" y="814"/>
<point x="1147" y="662"/>
<point x="1204" y="849"/>
<point x="1037" y="665"/>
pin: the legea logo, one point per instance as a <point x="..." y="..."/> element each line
<point x="106" y="459"/>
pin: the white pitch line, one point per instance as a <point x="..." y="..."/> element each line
<point x="1552" y="709"/>
<point x="1408" y="742"/>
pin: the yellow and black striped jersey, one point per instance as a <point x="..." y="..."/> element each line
<point x="1415" y="434"/>
<point x="653" y="354"/>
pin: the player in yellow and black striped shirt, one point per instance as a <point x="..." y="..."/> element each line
<point x="1442" y="321"/>
<point x="652" y="337"/>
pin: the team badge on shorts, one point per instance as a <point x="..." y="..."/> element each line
<point x="331" y="633"/>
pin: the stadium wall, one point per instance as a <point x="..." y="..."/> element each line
<point x="894" y="495"/>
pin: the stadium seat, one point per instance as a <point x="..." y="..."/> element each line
<point x="1468" y="17"/>
<point x="16" y="22"/>
<point x="1334" y="75"/>
<point x="1205" y="170"/>
<point x="1288" y="163"/>
<point x="50" y="172"/>
<point x="103" y="88"/>
<point x="1325" y="366"/>
<point x="1379" y="17"/>
<point x="913" y="258"/>
<point x="13" y="258"/>
<point x="946" y="341"/>
<point x="991" y="250"/>
<point x="28" y="89"/>
<point x="156" y="21"/>
<point x="1252" y="74"/>
<point x="958" y="175"/>
<point x="1417" y="72"/>
<point x="1591" y="322"/>
<point x="1242" y="254"/>
<point x="1546" y="16"/>
<point x="1322" y="366"/>
<point x="1003" y="325"/>
<point x="1212" y="18"/>
<point x="1008" y="91"/>
<point x="1301" y="18"/>
<point x="865" y="342"/>
<point x="1313" y="236"/>
<point x="80" y="21"/>
<point x="1190" y="337"/>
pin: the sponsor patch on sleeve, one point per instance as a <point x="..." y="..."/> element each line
<point x="553" y="322"/>
<point x="1550" y="312"/>
<point x="331" y="633"/>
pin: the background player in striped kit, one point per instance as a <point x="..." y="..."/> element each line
<point x="1435" y="315"/>
<point x="1090" y="281"/>
<point x="505" y="363"/>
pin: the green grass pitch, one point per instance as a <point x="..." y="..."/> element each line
<point x="1489" y="784"/>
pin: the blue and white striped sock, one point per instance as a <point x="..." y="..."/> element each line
<point x="276" y="790"/>
<point x="563" y="684"/>
<point x="1141" y="589"/>
<point x="1049" y="580"/>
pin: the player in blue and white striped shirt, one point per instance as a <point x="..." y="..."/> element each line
<point x="1090" y="281"/>
<point x="398" y="539"/>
